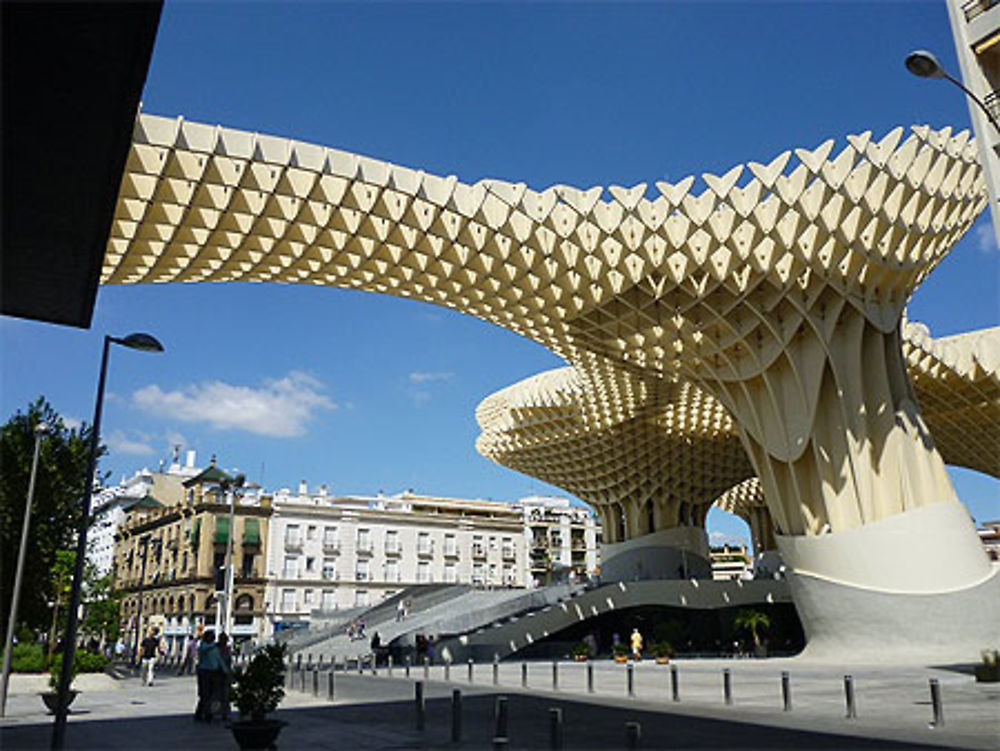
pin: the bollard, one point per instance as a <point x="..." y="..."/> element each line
<point x="590" y="677"/>
<point x="852" y="711"/>
<point x="633" y="732"/>
<point x="315" y="682"/>
<point x="675" y="693"/>
<point x="630" y="679"/>
<point x="333" y="663"/>
<point x="470" y="671"/>
<point x="374" y="664"/>
<point x="500" y="744"/>
<point x="727" y="686"/>
<point x="496" y="669"/>
<point x="361" y="665"/>
<point x="555" y="728"/>
<point x="298" y="662"/>
<point x="936" y="708"/>
<point x="330" y="685"/>
<point x="427" y="668"/>
<point x="447" y="670"/>
<point x="786" y="691"/>
<point x="418" y="701"/>
<point x="456" y="716"/>
<point x="524" y="675"/>
<point x="302" y="680"/>
<point x="555" y="675"/>
<point x="408" y="661"/>
<point x="500" y="717"/>
<point x="288" y="674"/>
<point x="388" y="665"/>
<point x="309" y="660"/>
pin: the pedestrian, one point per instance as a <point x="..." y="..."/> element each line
<point x="224" y="679"/>
<point x="208" y="668"/>
<point x="376" y="645"/>
<point x="190" y="656"/>
<point x="400" y="610"/>
<point x="150" y="650"/>
<point x="636" y="645"/>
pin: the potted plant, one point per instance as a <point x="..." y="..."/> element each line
<point x="620" y="653"/>
<point x="989" y="670"/>
<point x="662" y="651"/>
<point x="581" y="651"/>
<point x="51" y="697"/>
<point x="257" y="689"/>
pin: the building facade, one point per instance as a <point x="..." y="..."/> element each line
<point x="170" y="562"/>
<point x="732" y="563"/>
<point x="330" y="553"/>
<point x="564" y="540"/>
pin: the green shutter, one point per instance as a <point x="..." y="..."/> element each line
<point x="251" y="532"/>
<point x="196" y="533"/>
<point x="222" y="529"/>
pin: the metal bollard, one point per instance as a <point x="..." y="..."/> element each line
<point x="447" y="670"/>
<point x="374" y="664"/>
<point x="936" y="707"/>
<point x="727" y="686"/>
<point x="315" y="673"/>
<point x="427" y="668"/>
<point x="456" y="715"/>
<point x="298" y="662"/>
<point x="330" y="685"/>
<point x="590" y="677"/>
<point x="524" y="675"/>
<point x="496" y="670"/>
<point x="555" y="728"/>
<point x="555" y="675"/>
<point x="361" y="665"/>
<point x="302" y="680"/>
<point x="633" y="732"/>
<point x="309" y="660"/>
<point x="408" y="661"/>
<point x="500" y="744"/>
<point x="675" y="693"/>
<point x="388" y="665"/>
<point x="852" y="710"/>
<point x="500" y="717"/>
<point x="630" y="679"/>
<point x="418" y="701"/>
<point x="470" y="671"/>
<point x="786" y="691"/>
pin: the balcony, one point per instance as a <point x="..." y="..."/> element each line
<point x="478" y="551"/>
<point x="331" y="546"/>
<point x="975" y="8"/>
<point x="293" y="543"/>
<point x="393" y="548"/>
<point x="364" y="547"/>
<point x="425" y="551"/>
<point x="992" y="102"/>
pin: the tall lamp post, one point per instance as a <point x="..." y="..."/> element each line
<point x="40" y="430"/>
<point x="232" y="488"/>
<point x="924" y="64"/>
<point x="143" y="343"/>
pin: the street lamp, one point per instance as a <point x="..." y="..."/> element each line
<point x="231" y="488"/>
<point x="924" y="64"/>
<point x="143" y="343"/>
<point x="40" y="429"/>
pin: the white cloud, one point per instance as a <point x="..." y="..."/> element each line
<point x="279" y="408"/>
<point x="71" y="423"/>
<point x="418" y="376"/>
<point x="718" y="538"/>
<point x="119" y="443"/>
<point x="985" y="238"/>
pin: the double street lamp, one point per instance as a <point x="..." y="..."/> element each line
<point x="143" y="343"/>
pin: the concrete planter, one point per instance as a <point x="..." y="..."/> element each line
<point x="252" y="735"/>
<point x="51" y="699"/>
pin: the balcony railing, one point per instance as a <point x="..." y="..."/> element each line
<point x="293" y="543"/>
<point x="425" y="550"/>
<point x="992" y="102"/>
<point x="331" y="546"/>
<point x="364" y="547"/>
<point x="393" y="548"/>
<point x="975" y="8"/>
<point x="450" y="552"/>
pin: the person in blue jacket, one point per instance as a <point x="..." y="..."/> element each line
<point x="209" y="669"/>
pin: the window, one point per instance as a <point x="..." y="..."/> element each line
<point x="363" y="571"/>
<point x="478" y="574"/>
<point x="361" y="598"/>
<point x="508" y="575"/>
<point x="493" y="542"/>
<point x="450" y="573"/>
<point x="424" y="543"/>
<point x="391" y="541"/>
<point x="478" y="550"/>
<point x="423" y="572"/>
<point x="288" y="603"/>
<point x="310" y="565"/>
<point x="329" y="601"/>
<point x="293" y="536"/>
<point x="330" y="569"/>
<point x="364" y="541"/>
<point x="450" y="546"/>
<point x="508" y="547"/>
<point x="392" y="571"/>
<point x="493" y="573"/>
<point x="330" y="538"/>
<point x="291" y="566"/>
<point x="308" y="597"/>
<point x="248" y="564"/>
<point x="311" y="532"/>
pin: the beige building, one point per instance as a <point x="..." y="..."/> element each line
<point x="330" y="553"/>
<point x="170" y="559"/>
<point x="731" y="563"/>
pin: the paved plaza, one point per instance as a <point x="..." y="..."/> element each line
<point x="377" y="712"/>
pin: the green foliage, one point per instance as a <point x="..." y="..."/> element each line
<point x="29" y="658"/>
<point x="753" y="620"/>
<point x="662" y="649"/>
<point x="103" y="607"/>
<point x="259" y="688"/>
<point x="581" y="649"/>
<point x="89" y="662"/>
<point x="621" y="649"/>
<point x="59" y="485"/>
<point x="55" y="670"/>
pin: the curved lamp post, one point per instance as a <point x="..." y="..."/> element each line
<point x="143" y="343"/>
<point x="40" y="430"/>
<point x="924" y="64"/>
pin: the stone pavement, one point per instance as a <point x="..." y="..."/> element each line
<point x="376" y="712"/>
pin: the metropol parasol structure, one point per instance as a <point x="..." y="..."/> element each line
<point x="738" y="340"/>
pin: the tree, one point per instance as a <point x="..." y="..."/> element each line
<point x="103" y="606"/>
<point x="753" y="620"/>
<point x="59" y="486"/>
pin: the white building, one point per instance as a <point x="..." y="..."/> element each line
<point x="732" y="563"/>
<point x="111" y="504"/>
<point x="564" y="540"/>
<point x="327" y="553"/>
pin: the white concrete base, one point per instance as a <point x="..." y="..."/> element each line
<point x="914" y="587"/>
<point x="678" y="553"/>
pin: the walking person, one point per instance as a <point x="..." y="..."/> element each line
<point x="190" y="656"/>
<point x="209" y="667"/>
<point x="636" y="645"/>
<point x="150" y="651"/>
<point x="224" y="679"/>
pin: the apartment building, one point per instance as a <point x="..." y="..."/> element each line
<point x="564" y="540"/>
<point x="329" y="553"/>
<point x="731" y="563"/>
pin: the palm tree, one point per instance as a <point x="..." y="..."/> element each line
<point x="753" y="620"/>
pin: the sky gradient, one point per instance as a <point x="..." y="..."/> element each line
<point x="368" y="393"/>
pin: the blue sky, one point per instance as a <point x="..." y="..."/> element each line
<point x="369" y="393"/>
